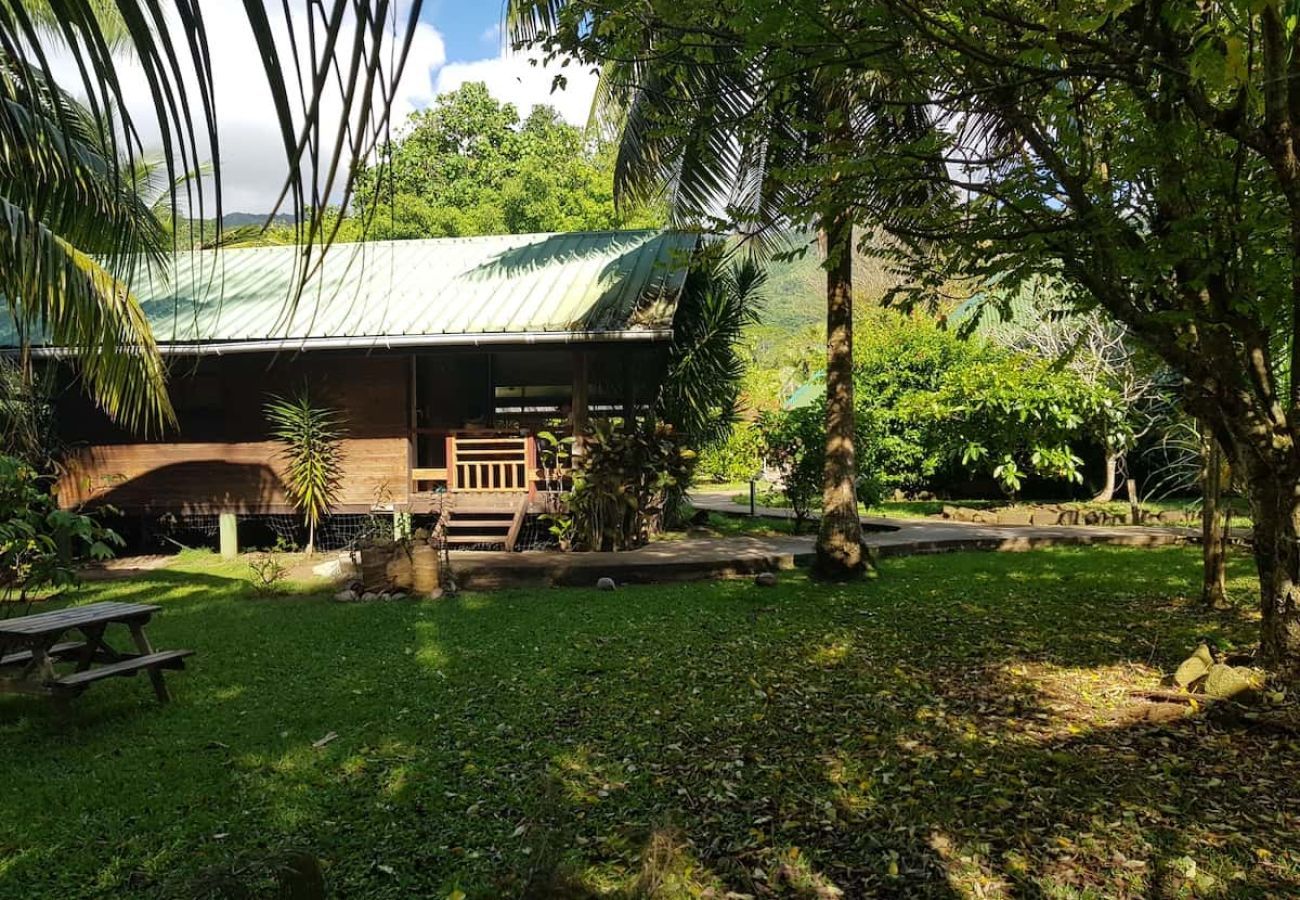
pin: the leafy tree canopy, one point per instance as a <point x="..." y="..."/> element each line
<point x="469" y="165"/>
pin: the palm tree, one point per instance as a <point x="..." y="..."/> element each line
<point x="74" y="229"/>
<point x="737" y="135"/>
<point x="71" y="225"/>
<point x="700" y="391"/>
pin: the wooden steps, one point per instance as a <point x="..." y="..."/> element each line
<point x="468" y="519"/>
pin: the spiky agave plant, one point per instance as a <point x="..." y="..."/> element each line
<point x="313" y="448"/>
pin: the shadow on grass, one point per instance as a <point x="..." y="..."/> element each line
<point x="961" y="725"/>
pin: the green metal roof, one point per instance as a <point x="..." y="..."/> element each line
<point x="807" y="393"/>
<point x="500" y="288"/>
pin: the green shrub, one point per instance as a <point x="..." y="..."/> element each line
<point x="40" y="543"/>
<point x="934" y="399"/>
<point x="624" y="482"/>
<point x="795" y="445"/>
<point x="896" y="358"/>
<point x="1013" y="416"/>
<point x="738" y="458"/>
<point x="27" y="427"/>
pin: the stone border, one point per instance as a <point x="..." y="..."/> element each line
<point x="1060" y="514"/>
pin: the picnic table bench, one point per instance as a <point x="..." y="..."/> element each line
<point x="30" y="646"/>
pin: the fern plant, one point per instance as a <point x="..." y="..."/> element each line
<point x="313" y="448"/>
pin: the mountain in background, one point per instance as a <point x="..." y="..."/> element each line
<point x="796" y="287"/>
<point x="238" y="219"/>
<point x="200" y="232"/>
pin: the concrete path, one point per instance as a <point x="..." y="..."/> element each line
<point x="697" y="558"/>
<point x="689" y="559"/>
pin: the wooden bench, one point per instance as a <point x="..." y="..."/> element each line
<point x="30" y="647"/>
<point x="166" y="659"/>
<point x="23" y="657"/>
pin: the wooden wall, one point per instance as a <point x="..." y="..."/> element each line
<point x="219" y="459"/>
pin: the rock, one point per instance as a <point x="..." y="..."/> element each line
<point x="384" y="595"/>
<point x="1093" y="517"/>
<point x="348" y="596"/>
<point x="980" y="517"/>
<point x="435" y="594"/>
<point x="765" y="579"/>
<point x="369" y="596"/>
<point x="1171" y="517"/>
<point x="898" y="496"/>
<point x="337" y="569"/>
<point x="605" y="584"/>
<point x="949" y="512"/>
<point x="1068" y="517"/>
<point x="1045" y="517"/>
<point x="1223" y="682"/>
<point x="1194" y="668"/>
<point x="330" y="570"/>
<point x="400" y="595"/>
<point x="1015" y="516"/>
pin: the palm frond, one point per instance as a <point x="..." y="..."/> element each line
<point x="56" y="291"/>
<point x="700" y="392"/>
<point x="73" y="184"/>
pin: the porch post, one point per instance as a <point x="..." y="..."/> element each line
<point x="579" y="416"/>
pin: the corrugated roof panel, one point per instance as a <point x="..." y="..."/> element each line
<point x="501" y="284"/>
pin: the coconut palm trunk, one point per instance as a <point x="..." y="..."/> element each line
<point x="839" y="540"/>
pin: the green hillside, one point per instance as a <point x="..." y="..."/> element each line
<point x="796" y="288"/>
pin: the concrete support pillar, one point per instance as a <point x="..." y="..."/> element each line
<point x="229" y="525"/>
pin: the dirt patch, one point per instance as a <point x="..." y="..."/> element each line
<point x="123" y="567"/>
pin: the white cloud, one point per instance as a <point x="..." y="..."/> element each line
<point x="252" y="150"/>
<point x="511" y="77"/>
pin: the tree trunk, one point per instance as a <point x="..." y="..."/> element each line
<point x="1275" y="506"/>
<point x="1214" y="555"/>
<point x="840" y="553"/>
<point x="1107" y="492"/>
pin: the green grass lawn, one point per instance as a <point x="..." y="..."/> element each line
<point x="724" y="525"/>
<point x="960" y="726"/>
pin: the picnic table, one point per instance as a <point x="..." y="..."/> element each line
<point x="31" y="646"/>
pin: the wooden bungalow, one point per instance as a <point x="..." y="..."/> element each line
<point x="445" y="358"/>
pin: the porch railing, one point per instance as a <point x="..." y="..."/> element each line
<point x="485" y="464"/>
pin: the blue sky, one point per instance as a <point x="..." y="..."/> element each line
<point x="471" y="29"/>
